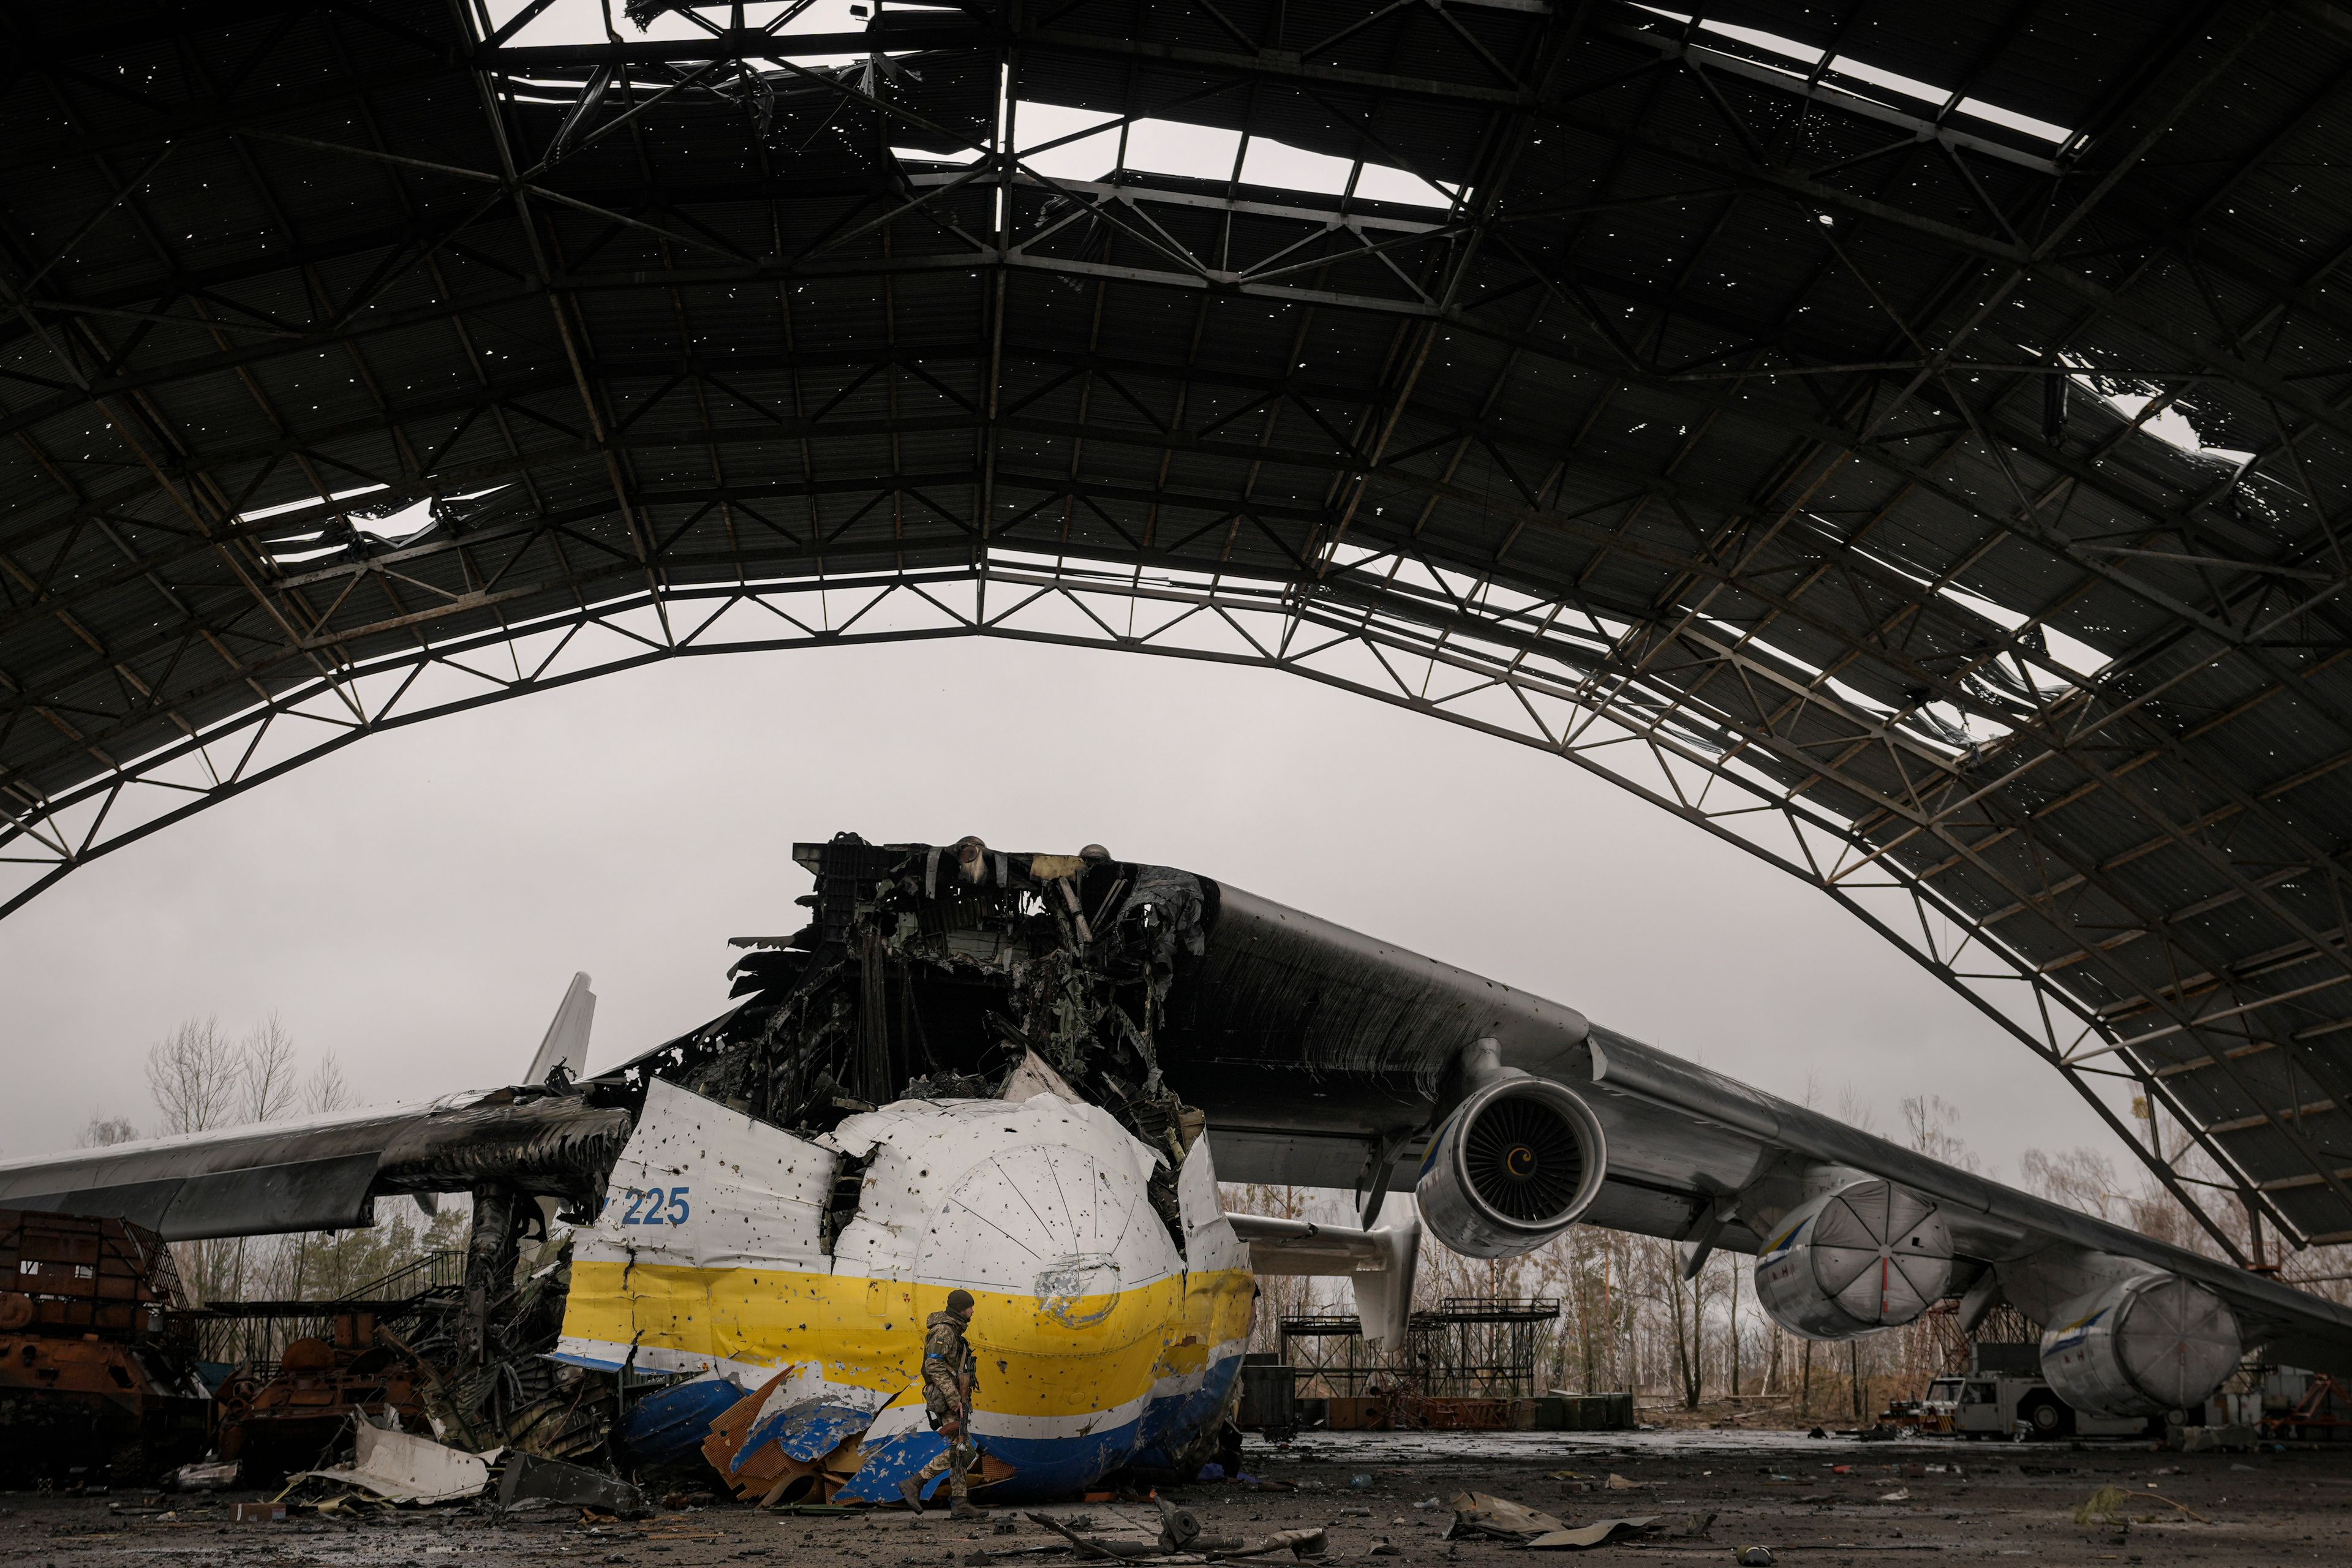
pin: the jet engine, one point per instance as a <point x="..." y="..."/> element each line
<point x="2151" y="1344"/>
<point x="1512" y="1168"/>
<point x="1869" y="1256"/>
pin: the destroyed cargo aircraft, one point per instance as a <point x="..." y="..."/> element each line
<point x="1024" y="1075"/>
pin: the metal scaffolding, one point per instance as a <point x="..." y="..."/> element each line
<point x="1481" y="1347"/>
<point x="1467" y="1347"/>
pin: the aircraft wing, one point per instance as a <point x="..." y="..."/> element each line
<point x="314" y="1174"/>
<point x="325" y="1173"/>
<point x="1324" y="1057"/>
<point x="2019" y="1235"/>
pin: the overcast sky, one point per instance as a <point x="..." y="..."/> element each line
<point x="417" y="903"/>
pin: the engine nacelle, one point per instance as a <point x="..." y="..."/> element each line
<point x="1869" y="1256"/>
<point x="2145" y="1346"/>
<point x="1512" y="1168"/>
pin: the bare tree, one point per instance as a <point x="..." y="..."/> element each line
<point x="267" y="1072"/>
<point x="201" y="1080"/>
<point x="1931" y="1125"/>
<point x="192" y="1073"/>
<point x="2080" y="1178"/>
<point x="102" y="1132"/>
<point x="326" y="1090"/>
<point x="1734" y="1325"/>
<point x="1685" y="1313"/>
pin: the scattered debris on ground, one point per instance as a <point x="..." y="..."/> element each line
<point x="2114" y="1507"/>
<point x="1479" y="1515"/>
<point x="401" y="1467"/>
<point x="1747" y="1498"/>
<point x="528" y="1481"/>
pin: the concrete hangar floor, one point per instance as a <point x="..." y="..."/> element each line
<point x="1808" y="1501"/>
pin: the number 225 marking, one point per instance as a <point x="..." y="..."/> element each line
<point x="656" y="1206"/>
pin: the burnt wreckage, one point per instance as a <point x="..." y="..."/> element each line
<point x="961" y="972"/>
<point x="929" y="971"/>
<point x="1167" y="997"/>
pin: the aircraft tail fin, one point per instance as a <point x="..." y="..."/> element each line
<point x="566" y="1044"/>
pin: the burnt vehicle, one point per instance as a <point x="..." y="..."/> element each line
<point x="98" y="1368"/>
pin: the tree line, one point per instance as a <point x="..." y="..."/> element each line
<point x="201" y="1078"/>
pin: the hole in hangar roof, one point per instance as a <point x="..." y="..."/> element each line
<point x="394" y="524"/>
<point x="2170" y="424"/>
<point x="258" y="513"/>
<point x="1857" y="77"/>
<point x="1056" y="142"/>
<point x="1065" y="143"/>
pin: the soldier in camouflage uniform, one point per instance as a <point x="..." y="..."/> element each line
<point x="950" y="1375"/>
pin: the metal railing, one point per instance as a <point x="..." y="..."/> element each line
<point x="256" y="1333"/>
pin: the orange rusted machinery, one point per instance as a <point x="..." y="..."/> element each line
<point x="280" y="1419"/>
<point x="97" y="1378"/>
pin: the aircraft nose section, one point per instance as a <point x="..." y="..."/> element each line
<point x="1068" y="1228"/>
<point x="1078" y="1290"/>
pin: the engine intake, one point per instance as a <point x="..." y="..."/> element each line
<point x="1512" y="1168"/>
<point x="1869" y="1256"/>
<point x="2148" y="1345"/>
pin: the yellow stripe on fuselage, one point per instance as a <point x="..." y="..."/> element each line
<point x="1096" y="1352"/>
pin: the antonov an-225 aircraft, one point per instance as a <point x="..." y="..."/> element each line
<point x="1024" y="1075"/>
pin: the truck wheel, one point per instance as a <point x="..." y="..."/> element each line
<point x="2044" y="1417"/>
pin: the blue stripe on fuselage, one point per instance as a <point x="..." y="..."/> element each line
<point x="1046" y="1468"/>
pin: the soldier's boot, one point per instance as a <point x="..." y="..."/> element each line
<point x="965" y="1508"/>
<point x="911" y="1488"/>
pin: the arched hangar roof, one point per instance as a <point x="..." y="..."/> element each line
<point x="1910" y="440"/>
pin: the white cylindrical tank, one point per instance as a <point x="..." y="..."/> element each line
<point x="1869" y="1256"/>
<point x="2151" y="1344"/>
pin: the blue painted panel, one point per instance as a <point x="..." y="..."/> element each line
<point x="667" y="1427"/>
<point x="890" y="1461"/>
<point x="1172" y="1425"/>
<point x="806" y="1432"/>
<point x="1048" y="1468"/>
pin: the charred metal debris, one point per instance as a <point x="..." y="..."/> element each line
<point x="925" y="972"/>
<point x="412" y="1352"/>
<point x="929" y="971"/>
